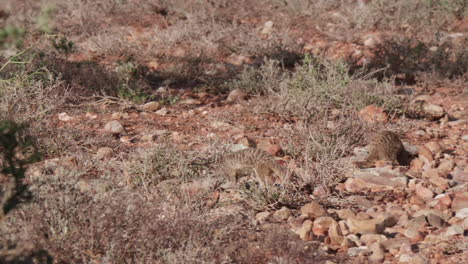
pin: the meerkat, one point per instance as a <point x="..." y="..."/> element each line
<point x="386" y="145"/>
<point x="253" y="161"/>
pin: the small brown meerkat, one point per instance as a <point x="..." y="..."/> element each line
<point x="253" y="161"/>
<point x="387" y="146"/>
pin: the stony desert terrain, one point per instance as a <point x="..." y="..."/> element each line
<point x="118" y="117"/>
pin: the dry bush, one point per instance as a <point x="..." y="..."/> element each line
<point x="321" y="148"/>
<point x="314" y="87"/>
<point x="410" y="58"/>
<point x="148" y="167"/>
<point x="29" y="91"/>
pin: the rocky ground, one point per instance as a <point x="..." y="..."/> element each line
<point x="133" y="110"/>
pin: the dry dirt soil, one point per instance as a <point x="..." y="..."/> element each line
<point x="132" y="104"/>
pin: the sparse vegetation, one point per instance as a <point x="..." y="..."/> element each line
<point x="67" y="68"/>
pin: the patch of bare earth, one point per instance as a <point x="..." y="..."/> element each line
<point x="134" y="104"/>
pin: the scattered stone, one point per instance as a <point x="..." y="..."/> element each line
<point x="322" y="224"/>
<point x="460" y="201"/>
<point x="413" y="259"/>
<point x="190" y="101"/>
<point x="377" y="255"/>
<point x="237" y="95"/>
<point x="369" y="239"/>
<point x="423" y="192"/>
<point x="117" y="115"/>
<point x="151" y="106"/>
<point x="435" y="148"/>
<point x="376" y="225"/>
<point x="459" y="176"/>
<point x="372" y="113"/>
<point x="162" y="112"/>
<point x="313" y="210"/>
<point x="267" y="27"/>
<point x="334" y="232"/>
<point x="345" y="214"/>
<point x="425" y="155"/>
<point x="416" y="164"/>
<point x="262" y="217"/>
<point x="375" y="178"/>
<point x="104" y="153"/>
<point x="395" y="243"/>
<point x="358" y="251"/>
<point x="91" y="115"/>
<point x="421" y="108"/>
<point x="462" y="213"/>
<point x="149" y="137"/>
<point x="64" y="117"/>
<point x="114" y="127"/>
<point x="282" y="214"/>
<point x="306" y="231"/>
<point x="435" y="220"/>
<point x="455" y="230"/>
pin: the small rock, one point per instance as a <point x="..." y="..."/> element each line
<point x="236" y="95"/>
<point x="358" y="251"/>
<point x="425" y="155"/>
<point x="335" y="234"/>
<point x="267" y="27"/>
<point x="395" y="243"/>
<point x="376" y="225"/>
<point x="305" y="233"/>
<point x="262" y="217"/>
<point x="322" y="224"/>
<point x="413" y="259"/>
<point x="446" y="166"/>
<point x="114" y="127"/>
<point x="104" y="153"/>
<point x="424" y="109"/>
<point x="375" y="178"/>
<point x="64" y="117"/>
<point x="191" y="101"/>
<point x="343" y="227"/>
<point x="162" y="112"/>
<point x="435" y="220"/>
<point x="369" y="239"/>
<point x="91" y="115"/>
<point x="320" y="191"/>
<point x="462" y="213"/>
<point x="435" y="148"/>
<point x="460" y="201"/>
<point x="126" y="139"/>
<point x="117" y="116"/>
<point x="416" y="165"/>
<point x="372" y="113"/>
<point x="282" y="214"/>
<point x="377" y="255"/>
<point x="459" y="176"/>
<point x="149" y="137"/>
<point x="151" y="106"/>
<point x="345" y="214"/>
<point x="313" y="210"/>
<point x="454" y="230"/>
<point x="465" y="223"/>
<point x="424" y="192"/>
